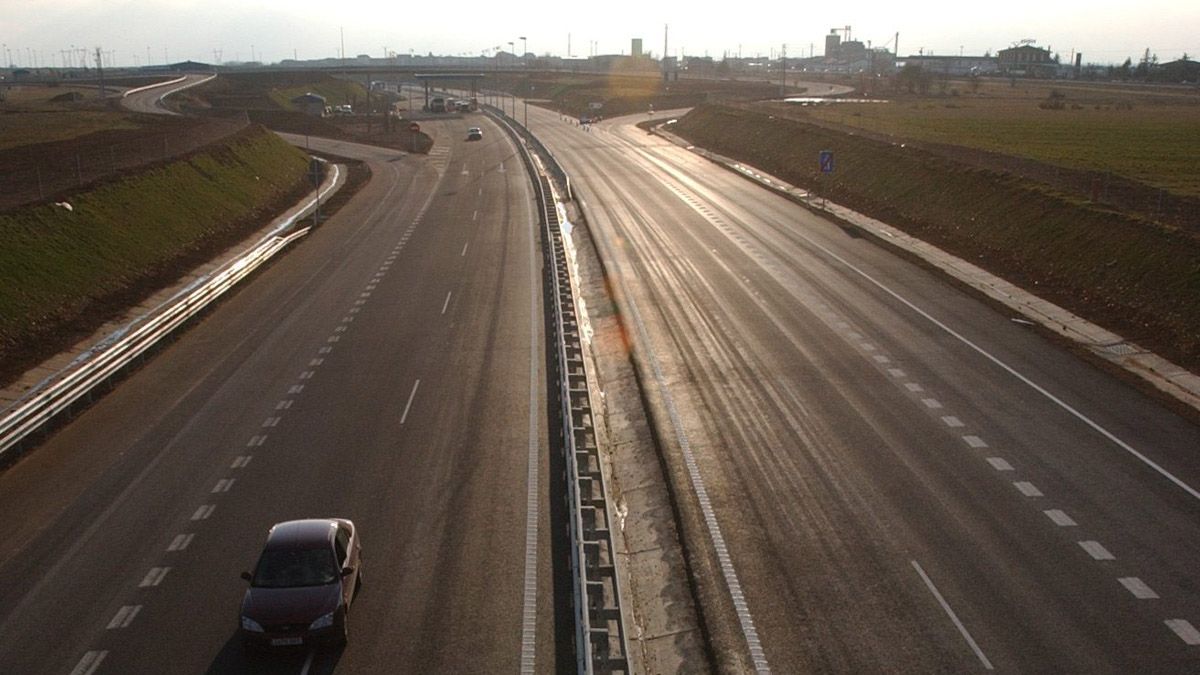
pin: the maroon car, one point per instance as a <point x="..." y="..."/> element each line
<point x="302" y="587"/>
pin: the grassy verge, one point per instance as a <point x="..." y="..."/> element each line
<point x="1156" y="144"/>
<point x="63" y="272"/>
<point x="1136" y="277"/>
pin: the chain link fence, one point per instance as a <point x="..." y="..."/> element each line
<point x="43" y="171"/>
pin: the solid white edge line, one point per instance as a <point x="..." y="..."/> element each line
<point x="953" y="617"/>
<point x="745" y="619"/>
<point x="408" y="405"/>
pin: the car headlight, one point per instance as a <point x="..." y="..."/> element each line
<point x="324" y="621"/>
<point x="251" y="625"/>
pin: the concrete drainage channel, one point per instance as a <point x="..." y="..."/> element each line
<point x="600" y="638"/>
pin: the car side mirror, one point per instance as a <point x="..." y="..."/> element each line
<point x="246" y="576"/>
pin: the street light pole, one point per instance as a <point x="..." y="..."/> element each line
<point x="524" y="50"/>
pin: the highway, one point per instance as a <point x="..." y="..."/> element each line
<point x="903" y="479"/>
<point x="149" y="99"/>
<point x="389" y="369"/>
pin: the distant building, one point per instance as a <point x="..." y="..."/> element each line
<point x="955" y="65"/>
<point x="636" y="49"/>
<point x="1183" y="70"/>
<point x="1026" y="59"/>
<point x="310" y="104"/>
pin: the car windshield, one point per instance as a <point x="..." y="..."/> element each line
<point x="290" y="569"/>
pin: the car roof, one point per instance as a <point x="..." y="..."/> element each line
<point x="298" y="534"/>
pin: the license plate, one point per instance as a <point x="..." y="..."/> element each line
<point x="286" y="642"/>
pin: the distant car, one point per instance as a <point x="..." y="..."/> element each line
<point x="301" y="589"/>
<point x="474" y="134"/>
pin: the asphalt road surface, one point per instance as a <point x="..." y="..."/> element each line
<point x="150" y="100"/>
<point x="905" y="479"/>
<point x="388" y="369"/>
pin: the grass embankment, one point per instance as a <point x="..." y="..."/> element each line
<point x="63" y="272"/>
<point x="1136" y="277"/>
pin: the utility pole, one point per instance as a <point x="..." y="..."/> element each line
<point x="783" y="70"/>
<point x="100" y="69"/>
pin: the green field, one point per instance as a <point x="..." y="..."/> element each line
<point x="62" y="271"/>
<point x="1145" y="139"/>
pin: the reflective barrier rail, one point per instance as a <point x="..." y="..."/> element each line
<point x="600" y="640"/>
<point x="75" y="386"/>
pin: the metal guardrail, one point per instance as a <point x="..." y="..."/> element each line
<point x="600" y="639"/>
<point x="37" y="411"/>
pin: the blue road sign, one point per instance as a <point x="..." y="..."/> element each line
<point x="826" y="161"/>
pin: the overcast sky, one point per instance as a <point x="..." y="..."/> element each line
<point x="175" y="30"/>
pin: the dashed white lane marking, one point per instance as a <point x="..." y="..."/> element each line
<point x="355" y="310"/>
<point x="180" y="542"/>
<point x="447" y="302"/>
<point x="882" y="359"/>
<point x="867" y="347"/>
<point x="975" y="441"/>
<point x="999" y="464"/>
<point x="256" y="441"/>
<point x="223" y="485"/>
<point x="307" y="375"/>
<point x="320" y="360"/>
<point x="1007" y="368"/>
<point x="204" y="512"/>
<point x="89" y="663"/>
<point x="913" y="387"/>
<point x="283" y="405"/>
<point x="241" y="461"/>
<point x="475" y="216"/>
<point x="124" y="617"/>
<point x="334" y="338"/>
<point x="1028" y="489"/>
<point x="897" y="373"/>
<point x="295" y="389"/>
<point x="1185" y="630"/>
<point x="952" y="421"/>
<point x="953" y="617"/>
<point x="931" y="403"/>
<point x="341" y="329"/>
<point x="408" y="405"/>
<point x="464" y="251"/>
<point x="1060" y="518"/>
<point x="270" y="422"/>
<point x="1096" y="550"/>
<point x="1138" y="588"/>
<point x="154" y="577"/>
